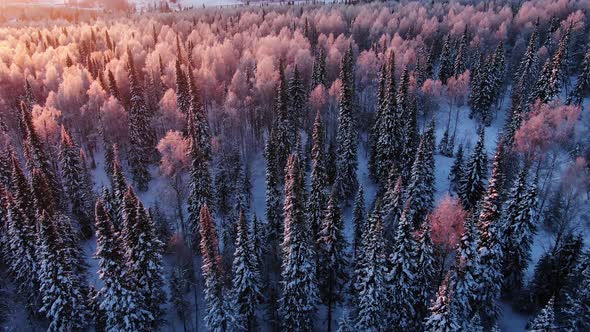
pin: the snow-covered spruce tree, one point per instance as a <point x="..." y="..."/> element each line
<point x="369" y="282"/>
<point x="456" y="173"/>
<point x="319" y="73"/>
<point x="377" y="124"/>
<point x="118" y="297"/>
<point x="246" y="290"/>
<point x="548" y="85"/>
<point x="274" y="216"/>
<point x="446" y="61"/>
<point x="332" y="258"/>
<point x="257" y="238"/>
<point x="385" y="131"/>
<point x="119" y="188"/>
<point x="420" y="189"/>
<point x="21" y="190"/>
<point x="460" y="64"/>
<point x="179" y="286"/>
<point x="552" y="270"/>
<point x="6" y="165"/>
<point x="426" y="276"/>
<point x="183" y="97"/>
<point x="407" y="115"/>
<point x="198" y="124"/>
<point x="215" y="318"/>
<point x="297" y="100"/>
<point x="529" y="59"/>
<point x="520" y="228"/>
<point x="359" y="219"/>
<point x="36" y="154"/>
<point x="142" y="140"/>
<point x="317" y="196"/>
<point x="490" y="251"/>
<point x="298" y="277"/>
<point x="401" y="278"/>
<point x="21" y="259"/>
<point x="199" y="184"/>
<point x="393" y="205"/>
<point x="582" y="87"/>
<point x="443" y="315"/>
<point x="498" y="72"/>
<point x="484" y="91"/>
<point x="346" y="138"/>
<point x="62" y="298"/>
<point x="282" y="133"/>
<point x="466" y="288"/>
<point x="74" y="182"/>
<point x="471" y="185"/>
<point x="545" y="319"/>
<point x="143" y="259"/>
<point x="575" y="312"/>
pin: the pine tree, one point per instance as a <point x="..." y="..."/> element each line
<point x="545" y="320"/>
<point x="582" y="87"/>
<point x="75" y="182"/>
<point x="299" y="288"/>
<point x="215" y="317"/>
<point x="346" y="164"/>
<point x="471" y="185"/>
<point x="317" y="196"/>
<point x="119" y="299"/>
<point x="142" y="138"/>
<point x="370" y="276"/>
<point x="359" y="219"/>
<point x="246" y="280"/>
<point x="332" y="258"/>
<point x="456" y="173"/>
<point x="401" y="278"/>
<point x="520" y="229"/>
<point x="63" y="302"/>
<point x="490" y="253"/>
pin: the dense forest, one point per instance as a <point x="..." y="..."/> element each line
<point x="386" y="166"/>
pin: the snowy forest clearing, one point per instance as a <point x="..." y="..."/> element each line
<point x="341" y="167"/>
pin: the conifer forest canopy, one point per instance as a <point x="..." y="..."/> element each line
<point x="227" y="165"/>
